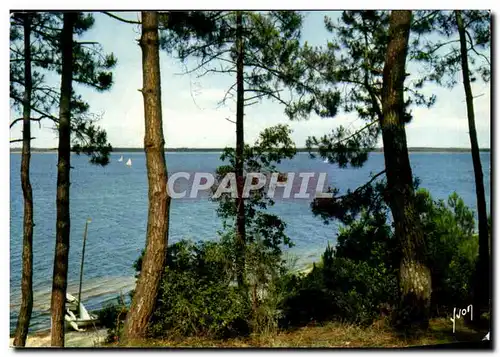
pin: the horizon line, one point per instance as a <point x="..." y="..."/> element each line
<point x="117" y="148"/>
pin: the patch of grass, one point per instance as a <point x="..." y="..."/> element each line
<point x="332" y="335"/>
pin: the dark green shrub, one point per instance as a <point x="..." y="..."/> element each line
<point x="452" y="249"/>
<point x="341" y="289"/>
<point x="196" y="295"/>
<point x="188" y="306"/>
<point x="357" y="281"/>
<point x="112" y="316"/>
<point x="199" y="295"/>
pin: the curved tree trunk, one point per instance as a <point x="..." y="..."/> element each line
<point x="153" y="262"/>
<point x="483" y="267"/>
<point x="26" y="308"/>
<point x="240" y="202"/>
<point x="414" y="275"/>
<point x="60" y="277"/>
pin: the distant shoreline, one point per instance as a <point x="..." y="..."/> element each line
<point x="119" y="149"/>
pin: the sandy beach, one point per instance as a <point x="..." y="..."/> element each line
<point x="91" y="338"/>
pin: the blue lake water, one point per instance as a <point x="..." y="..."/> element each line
<point x="115" y="198"/>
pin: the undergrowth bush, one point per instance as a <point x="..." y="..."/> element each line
<point x="199" y="297"/>
<point x="196" y="295"/>
<point x="452" y="249"/>
<point x="112" y="317"/>
<point x="357" y="281"/>
<point x="339" y="289"/>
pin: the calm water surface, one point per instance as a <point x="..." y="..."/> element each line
<point x="115" y="198"/>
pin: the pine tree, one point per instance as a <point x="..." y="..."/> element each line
<point x="414" y="274"/>
<point x="92" y="69"/>
<point x="88" y="67"/>
<point x="60" y="277"/>
<point x="27" y="275"/>
<point x="465" y="37"/>
<point x="482" y="289"/>
<point x="153" y="261"/>
<point x="354" y="68"/>
<point x="256" y="47"/>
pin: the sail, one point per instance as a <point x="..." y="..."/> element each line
<point x="83" y="314"/>
<point x="120" y="159"/>
<point x="129" y="162"/>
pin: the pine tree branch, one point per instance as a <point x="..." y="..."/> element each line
<point x="201" y="48"/>
<point x="51" y="39"/>
<point x="281" y="76"/>
<point x="438" y="46"/>
<point x="268" y="93"/>
<point x="35" y="109"/>
<point x="373" y="97"/>
<point x="19" y="140"/>
<point x="358" y="131"/>
<point x="216" y="71"/>
<point x="87" y="43"/>
<point x="223" y="101"/>
<point x="205" y="61"/>
<point x="15" y="121"/>
<point x="256" y="96"/>
<point x="474" y="50"/>
<point x="432" y="13"/>
<point x="251" y="103"/>
<point x="90" y="84"/>
<point x="49" y="92"/>
<point x="360" y="188"/>
<point x="33" y="59"/>
<point x="121" y="19"/>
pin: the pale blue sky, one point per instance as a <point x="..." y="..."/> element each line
<point x="199" y="123"/>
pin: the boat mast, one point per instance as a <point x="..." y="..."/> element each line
<point x="83" y="256"/>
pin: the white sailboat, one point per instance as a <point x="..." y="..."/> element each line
<point x="326" y="161"/>
<point x="120" y="159"/>
<point x="77" y="315"/>
<point x="129" y="163"/>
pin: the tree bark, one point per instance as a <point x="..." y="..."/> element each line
<point x="60" y="276"/>
<point x="483" y="267"/>
<point x="414" y="275"/>
<point x="240" y="203"/>
<point x="26" y="308"/>
<point x="153" y="262"/>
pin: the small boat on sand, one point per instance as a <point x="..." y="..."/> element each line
<point x="77" y="316"/>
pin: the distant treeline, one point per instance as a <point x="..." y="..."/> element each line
<point x="118" y="149"/>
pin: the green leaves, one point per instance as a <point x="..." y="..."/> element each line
<point x="92" y="141"/>
<point x="343" y="146"/>
<point x="196" y="296"/>
<point x="440" y="54"/>
<point x="272" y="146"/>
<point x="270" y="44"/>
<point x="91" y="68"/>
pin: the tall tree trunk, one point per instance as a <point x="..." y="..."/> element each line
<point x="240" y="203"/>
<point x="414" y="275"/>
<point x="482" y="279"/>
<point x="60" y="277"/>
<point x="26" y="308"/>
<point x="153" y="262"/>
